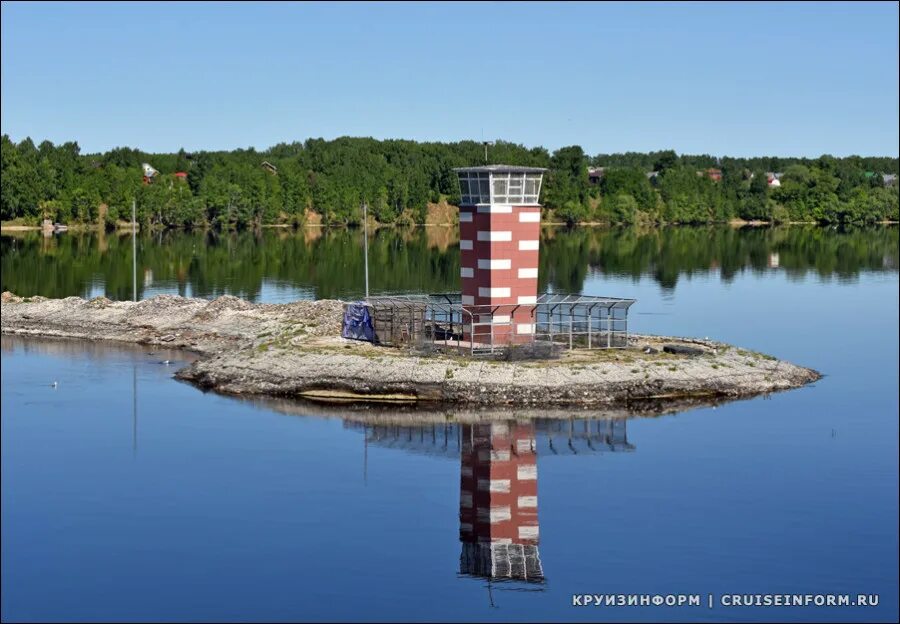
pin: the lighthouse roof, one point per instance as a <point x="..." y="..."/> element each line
<point x="500" y="169"/>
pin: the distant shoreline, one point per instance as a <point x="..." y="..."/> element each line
<point x="736" y="223"/>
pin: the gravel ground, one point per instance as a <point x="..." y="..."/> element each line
<point x="294" y="350"/>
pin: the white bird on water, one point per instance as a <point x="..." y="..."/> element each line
<point x="166" y="362"/>
<point x="54" y="384"/>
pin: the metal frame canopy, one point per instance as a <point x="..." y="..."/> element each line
<point x="443" y="321"/>
<point x="455" y="300"/>
<point x="500" y="185"/>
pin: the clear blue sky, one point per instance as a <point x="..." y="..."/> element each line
<point x="719" y="78"/>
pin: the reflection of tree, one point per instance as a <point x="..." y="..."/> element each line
<point x="330" y="265"/>
<point x="211" y="264"/>
<point x="669" y="253"/>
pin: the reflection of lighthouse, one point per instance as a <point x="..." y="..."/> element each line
<point x="498" y="515"/>
<point x="498" y="521"/>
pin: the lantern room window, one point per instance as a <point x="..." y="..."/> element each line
<point x="500" y="184"/>
<point x="475" y="188"/>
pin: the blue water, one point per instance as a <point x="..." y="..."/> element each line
<point x="129" y="495"/>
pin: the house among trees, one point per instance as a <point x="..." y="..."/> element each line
<point x="269" y="167"/>
<point x="890" y="179"/>
<point x="595" y="174"/>
<point x="712" y="173"/>
<point x="773" y="178"/>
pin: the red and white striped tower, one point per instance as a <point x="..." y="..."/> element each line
<point x="498" y="509"/>
<point x="500" y="226"/>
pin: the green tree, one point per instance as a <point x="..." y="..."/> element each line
<point x="629" y="181"/>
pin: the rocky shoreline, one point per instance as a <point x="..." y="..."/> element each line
<point x="294" y="351"/>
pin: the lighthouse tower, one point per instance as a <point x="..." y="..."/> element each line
<point x="499" y="224"/>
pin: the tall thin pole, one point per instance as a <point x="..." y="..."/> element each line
<point x="134" y="410"/>
<point x="134" y="249"/>
<point x="366" y="244"/>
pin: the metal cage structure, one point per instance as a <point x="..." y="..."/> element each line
<point x="570" y="436"/>
<point x="442" y="322"/>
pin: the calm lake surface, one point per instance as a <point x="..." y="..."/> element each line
<point x="129" y="495"/>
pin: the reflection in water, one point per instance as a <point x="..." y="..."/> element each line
<point x="498" y="510"/>
<point x="134" y="410"/>
<point x="286" y="265"/>
<point x="100" y="352"/>
<point x="499" y="529"/>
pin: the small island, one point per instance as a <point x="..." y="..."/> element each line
<point x="295" y="350"/>
<point x="434" y="348"/>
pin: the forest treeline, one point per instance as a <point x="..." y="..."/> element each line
<point x="397" y="179"/>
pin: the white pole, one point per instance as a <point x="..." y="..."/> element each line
<point x="134" y="249"/>
<point x="134" y="410"/>
<point x="366" y="244"/>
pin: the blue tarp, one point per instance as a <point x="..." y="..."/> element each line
<point x="358" y="323"/>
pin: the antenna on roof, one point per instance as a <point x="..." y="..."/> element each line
<point x="486" y="143"/>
